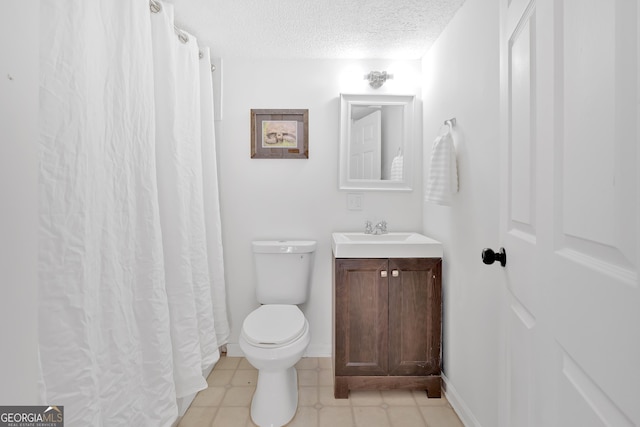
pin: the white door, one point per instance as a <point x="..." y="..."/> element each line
<point x="365" y="150"/>
<point x="570" y="220"/>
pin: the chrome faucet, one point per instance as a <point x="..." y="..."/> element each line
<point x="368" y="227"/>
<point x="379" y="228"/>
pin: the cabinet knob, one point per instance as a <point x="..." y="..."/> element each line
<point x="395" y="273"/>
<point x="383" y="273"/>
<point x="489" y="256"/>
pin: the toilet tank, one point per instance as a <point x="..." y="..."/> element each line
<point x="283" y="270"/>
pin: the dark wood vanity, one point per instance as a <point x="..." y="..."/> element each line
<point x="387" y="330"/>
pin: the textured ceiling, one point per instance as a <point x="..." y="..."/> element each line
<point x="354" y="29"/>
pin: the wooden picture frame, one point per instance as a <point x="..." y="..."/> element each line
<point x="279" y="134"/>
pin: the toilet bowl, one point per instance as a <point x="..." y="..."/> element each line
<point x="275" y="335"/>
<point x="273" y="339"/>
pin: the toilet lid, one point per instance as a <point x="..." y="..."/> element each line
<point x="274" y="324"/>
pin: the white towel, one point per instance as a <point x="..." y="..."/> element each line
<point x="396" y="168"/>
<point x="443" y="173"/>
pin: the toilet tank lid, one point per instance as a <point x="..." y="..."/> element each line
<point x="283" y="246"/>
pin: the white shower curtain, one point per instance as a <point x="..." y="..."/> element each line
<point x="126" y="322"/>
<point x="212" y="201"/>
<point x="179" y="153"/>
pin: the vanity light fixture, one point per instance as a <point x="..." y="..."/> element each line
<point x="377" y="78"/>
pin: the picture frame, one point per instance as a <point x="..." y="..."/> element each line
<point x="279" y="134"/>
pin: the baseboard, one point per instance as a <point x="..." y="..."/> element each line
<point x="318" y="351"/>
<point x="234" y="350"/>
<point x="458" y="405"/>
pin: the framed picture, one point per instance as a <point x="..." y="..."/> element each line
<point x="279" y="134"/>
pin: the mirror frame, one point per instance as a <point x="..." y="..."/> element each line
<point x="407" y="102"/>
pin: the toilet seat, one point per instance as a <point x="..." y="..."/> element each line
<point x="274" y="325"/>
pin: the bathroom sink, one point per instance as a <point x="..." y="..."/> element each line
<point x="388" y="245"/>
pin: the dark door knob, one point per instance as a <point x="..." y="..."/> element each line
<point x="489" y="256"/>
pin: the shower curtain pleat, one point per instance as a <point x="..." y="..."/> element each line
<point x="179" y="169"/>
<point x="212" y="201"/>
<point x="126" y="317"/>
<point x="104" y="335"/>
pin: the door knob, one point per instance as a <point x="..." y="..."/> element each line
<point x="489" y="256"/>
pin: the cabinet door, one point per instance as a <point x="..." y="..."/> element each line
<point x="361" y="317"/>
<point x="415" y="306"/>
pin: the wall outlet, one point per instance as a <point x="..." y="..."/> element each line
<point x="354" y="201"/>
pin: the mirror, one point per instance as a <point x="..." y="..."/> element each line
<point x="376" y="142"/>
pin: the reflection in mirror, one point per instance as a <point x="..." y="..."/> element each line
<point x="369" y="158"/>
<point x="376" y="142"/>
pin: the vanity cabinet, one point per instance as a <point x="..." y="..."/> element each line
<point x="387" y="324"/>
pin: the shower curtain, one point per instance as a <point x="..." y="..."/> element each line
<point x="131" y="301"/>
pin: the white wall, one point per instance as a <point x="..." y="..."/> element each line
<point x="461" y="80"/>
<point x="18" y="196"/>
<point x="298" y="199"/>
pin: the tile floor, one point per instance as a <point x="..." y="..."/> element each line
<point x="232" y="382"/>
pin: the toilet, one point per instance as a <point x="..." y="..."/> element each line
<point x="275" y="336"/>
